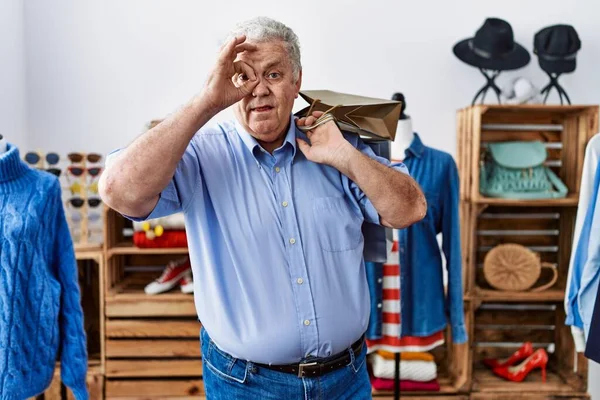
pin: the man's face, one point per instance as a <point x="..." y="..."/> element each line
<point x="265" y="113"/>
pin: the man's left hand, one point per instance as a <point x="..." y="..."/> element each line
<point x="327" y="144"/>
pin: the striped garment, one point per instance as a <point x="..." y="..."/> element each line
<point x="391" y="328"/>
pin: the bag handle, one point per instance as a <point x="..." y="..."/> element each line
<point x="560" y="186"/>
<point x="552" y="281"/>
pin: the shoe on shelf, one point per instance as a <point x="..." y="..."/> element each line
<point x="524" y="351"/>
<point x="172" y="274"/>
<point x="186" y="283"/>
<point x="516" y="373"/>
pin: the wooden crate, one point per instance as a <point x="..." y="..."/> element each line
<point x="58" y="391"/>
<point x="501" y="328"/>
<point x="91" y="268"/>
<point x="546" y="230"/>
<point x="565" y="130"/>
<point x="152" y="341"/>
<point x="504" y="320"/>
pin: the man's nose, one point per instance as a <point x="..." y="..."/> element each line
<point x="262" y="89"/>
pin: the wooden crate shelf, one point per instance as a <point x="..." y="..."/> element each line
<point x="155" y="388"/>
<point x="564" y="129"/>
<point x="91" y="273"/>
<point x="126" y="248"/>
<point x="570" y="201"/>
<point x="503" y="321"/>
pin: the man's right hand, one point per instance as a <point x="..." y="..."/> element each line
<point x="230" y="80"/>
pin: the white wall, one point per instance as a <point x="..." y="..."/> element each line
<point x="99" y="70"/>
<point x="13" y="119"/>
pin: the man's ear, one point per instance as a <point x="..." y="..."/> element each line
<point x="298" y="82"/>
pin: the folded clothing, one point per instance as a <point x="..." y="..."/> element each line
<point x="405" y="385"/>
<point x="409" y="356"/>
<point x="420" y="371"/>
<point x="169" y="239"/>
<point x="174" y="222"/>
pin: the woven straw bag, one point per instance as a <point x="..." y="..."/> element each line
<point x="515" y="268"/>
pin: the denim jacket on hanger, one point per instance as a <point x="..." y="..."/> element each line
<point x="426" y="308"/>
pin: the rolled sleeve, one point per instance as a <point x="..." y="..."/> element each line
<point x="180" y="190"/>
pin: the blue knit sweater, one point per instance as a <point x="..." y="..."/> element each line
<point x="40" y="310"/>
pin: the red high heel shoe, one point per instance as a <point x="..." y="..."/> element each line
<point x="516" y="373"/>
<point x="524" y="351"/>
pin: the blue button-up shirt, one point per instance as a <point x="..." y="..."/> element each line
<point x="275" y="244"/>
<point x="425" y="307"/>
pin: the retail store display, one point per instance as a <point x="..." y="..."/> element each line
<point x="492" y="50"/>
<point x="80" y="179"/>
<point x="415" y="259"/>
<point x="502" y="321"/>
<point x="556" y="47"/>
<point x="177" y="272"/>
<point x="517" y="170"/>
<point x="513" y="267"/>
<point x="39" y="288"/>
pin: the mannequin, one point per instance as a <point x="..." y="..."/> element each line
<point x="3" y="146"/>
<point x="404" y="131"/>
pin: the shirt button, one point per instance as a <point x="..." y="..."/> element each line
<point x="300" y="281"/>
<point x="277" y="169"/>
<point x="292" y="241"/>
<point x="285" y="204"/>
<point x="379" y="280"/>
<point x="306" y="322"/>
<point x="379" y="305"/>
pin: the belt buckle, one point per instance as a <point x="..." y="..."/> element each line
<point x="301" y="367"/>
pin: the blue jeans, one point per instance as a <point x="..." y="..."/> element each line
<point x="228" y="378"/>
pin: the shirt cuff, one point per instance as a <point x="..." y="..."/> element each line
<point x="459" y="333"/>
<point x="578" y="338"/>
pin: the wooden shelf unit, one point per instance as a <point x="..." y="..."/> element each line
<point x="503" y="321"/>
<point x="152" y="341"/>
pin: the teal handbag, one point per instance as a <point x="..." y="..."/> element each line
<point x="516" y="170"/>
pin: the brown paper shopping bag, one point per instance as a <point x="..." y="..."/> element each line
<point x="366" y="116"/>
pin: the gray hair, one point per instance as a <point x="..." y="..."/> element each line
<point x="262" y="29"/>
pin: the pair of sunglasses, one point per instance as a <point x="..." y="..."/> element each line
<point x="77" y="217"/>
<point x="79" y="157"/>
<point x="78" y="171"/>
<point x="79" y="188"/>
<point x="78" y="202"/>
<point x="33" y="158"/>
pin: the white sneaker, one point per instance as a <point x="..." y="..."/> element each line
<point x="170" y="277"/>
<point x="187" y="284"/>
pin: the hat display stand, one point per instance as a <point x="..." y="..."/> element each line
<point x="553" y="84"/>
<point x="490" y="76"/>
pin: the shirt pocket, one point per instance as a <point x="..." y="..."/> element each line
<point x="337" y="225"/>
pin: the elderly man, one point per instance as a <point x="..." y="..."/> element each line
<point x="274" y="233"/>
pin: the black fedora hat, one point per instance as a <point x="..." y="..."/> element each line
<point x="556" y="47"/>
<point x="493" y="47"/>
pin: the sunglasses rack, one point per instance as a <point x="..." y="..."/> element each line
<point x="83" y="169"/>
<point x="78" y="174"/>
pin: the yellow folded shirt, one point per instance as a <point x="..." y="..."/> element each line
<point x="407" y="356"/>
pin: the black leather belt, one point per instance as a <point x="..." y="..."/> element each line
<point x="319" y="367"/>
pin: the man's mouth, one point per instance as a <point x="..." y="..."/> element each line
<point x="262" y="109"/>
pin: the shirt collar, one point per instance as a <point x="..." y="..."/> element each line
<point x="253" y="145"/>
<point x="416" y="147"/>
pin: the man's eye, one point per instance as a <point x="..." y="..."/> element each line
<point x="243" y="77"/>
<point x="274" y="75"/>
